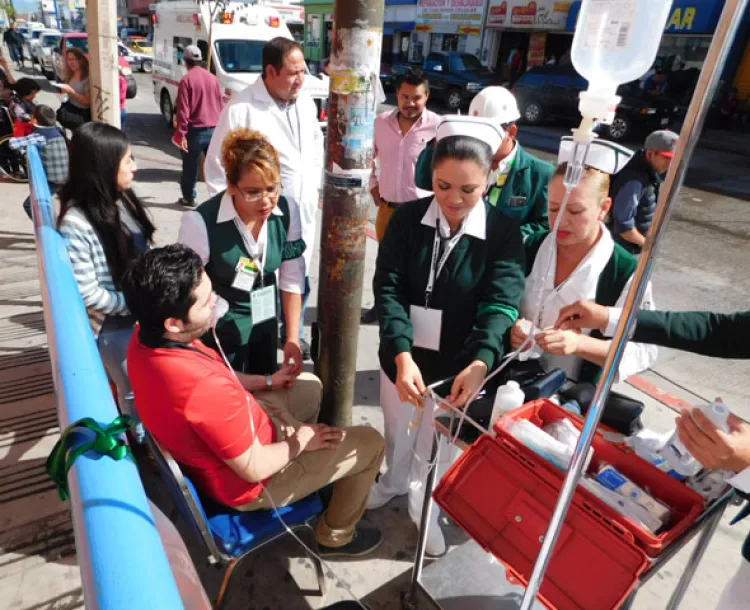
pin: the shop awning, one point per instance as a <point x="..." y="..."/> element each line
<point x="391" y="27"/>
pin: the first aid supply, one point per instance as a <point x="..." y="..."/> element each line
<point x="611" y="478"/>
<point x="710" y="484"/>
<point x="677" y="455"/>
<point x="221" y="307"/>
<point x="533" y="351"/>
<point x="540" y="442"/>
<point x="572" y="406"/>
<point x="648" y="445"/>
<point x="509" y="396"/>
<point x="623" y="505"/>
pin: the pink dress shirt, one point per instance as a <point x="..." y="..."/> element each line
<point x="398" y="155"/>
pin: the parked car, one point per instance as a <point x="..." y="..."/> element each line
<point x="141" y="45"/>
<point x="454" y="77"/>
<point x="48" y="42"/>
<point x="386" y="77"/>
<point x="138" y="61"/>
<point x="551" y="93"/>
<point x="33" y="42"/>
<point x="80" y="40"/>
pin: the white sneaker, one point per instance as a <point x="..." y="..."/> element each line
<point x="379" y="496"/>
<point x="435" y="543"/>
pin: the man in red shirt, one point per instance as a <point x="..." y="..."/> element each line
<point x="232" y="443"/>
<point x="199" y="104"/>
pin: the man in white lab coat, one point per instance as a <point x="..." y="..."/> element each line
<point x="276" y="106"/>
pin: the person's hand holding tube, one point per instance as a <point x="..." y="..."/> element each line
<point x="409" y="382"/>
<point x="712" y="447"/>
<point x="583" y="315"/>
<point x="467" y="382"/>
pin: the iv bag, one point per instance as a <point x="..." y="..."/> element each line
<point x="616" y="41"/>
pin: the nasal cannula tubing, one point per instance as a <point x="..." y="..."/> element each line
<point x="324" y="563"/>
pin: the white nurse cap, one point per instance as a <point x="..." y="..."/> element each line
<point x="482" y="129"/>
<point x="603" y="155"/>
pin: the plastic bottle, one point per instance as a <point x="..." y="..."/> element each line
<point x="509" y="396"/>
<point x="677" y="455"/>
<point x="615" y="42"/>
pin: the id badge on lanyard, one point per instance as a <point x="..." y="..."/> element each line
<point x="263" y="298"/>
<point x="427" y="324"/>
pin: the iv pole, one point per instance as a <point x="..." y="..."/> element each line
<point x="703" y="95"/>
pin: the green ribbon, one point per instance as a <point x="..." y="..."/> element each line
<point x="108" y="441"/>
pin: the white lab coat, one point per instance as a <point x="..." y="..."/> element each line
<point x="581" y="284"/>
<point x="301" y="157"/>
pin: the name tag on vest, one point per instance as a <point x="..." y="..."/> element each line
<point x="517" y="202"/>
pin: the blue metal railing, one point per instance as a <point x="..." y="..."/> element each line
<point x="122" y="559"/>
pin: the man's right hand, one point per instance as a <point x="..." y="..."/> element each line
<point x="318" y="436"/>
<point x="583" y="315"/>
<point x="376" y="195"/>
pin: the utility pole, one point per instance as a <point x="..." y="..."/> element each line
<point x="104" y="79"/>
<point x="354" y="72"/>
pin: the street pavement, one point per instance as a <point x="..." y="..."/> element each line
<point x="702" y="265"/>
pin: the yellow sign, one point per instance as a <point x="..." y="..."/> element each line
<point x="472" y="30"/>
<point x="682" y="18"/>
<point x="423" y="27"/>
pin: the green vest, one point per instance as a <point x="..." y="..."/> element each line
<point x="249" y="348"/>
<point x="612" y="281"/>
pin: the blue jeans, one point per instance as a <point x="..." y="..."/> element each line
<point x="123" y="119"/>
<point x="305" y="297"/>
<point x="113" y="341"/>
<point x="198" y="140"/>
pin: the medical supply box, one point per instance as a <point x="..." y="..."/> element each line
<point x="503" y="494"/>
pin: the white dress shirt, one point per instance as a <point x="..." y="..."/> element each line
<point x="300" y="152"/>
<point x="581" y="284"/>
<point x="193" y="234"/>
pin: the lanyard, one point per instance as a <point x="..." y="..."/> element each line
<point x="262" y="262"/>
<point x="437" y="266"/>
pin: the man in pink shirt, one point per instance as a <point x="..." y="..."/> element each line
<point x="199" y="104"/>
<point x="400" y="135"/>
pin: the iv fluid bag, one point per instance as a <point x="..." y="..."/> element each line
<point x="616" y="41"/>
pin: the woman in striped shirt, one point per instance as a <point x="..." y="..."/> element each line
<point x="105" y="226"/>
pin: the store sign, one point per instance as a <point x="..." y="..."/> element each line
<point x="462" y="12"/>
<point x="423" y="27"/>
<point x="530" y="14"/>
<point x="471" y="30"/>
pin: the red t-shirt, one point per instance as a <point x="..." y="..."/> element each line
<point x="198" y="410"/>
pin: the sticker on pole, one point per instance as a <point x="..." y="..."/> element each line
<point x="609" y="24"/>
<point x="345" y="181"/>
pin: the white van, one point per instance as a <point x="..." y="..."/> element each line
<point x="240" y="32"/>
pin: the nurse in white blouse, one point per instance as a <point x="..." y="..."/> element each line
<point x="585" y="263"/>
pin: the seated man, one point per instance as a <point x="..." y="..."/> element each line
<point x="207" y="417"/>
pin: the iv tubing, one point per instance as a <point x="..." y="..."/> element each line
<point x="699" y="105"/>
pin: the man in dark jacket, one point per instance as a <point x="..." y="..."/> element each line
<point x="14" y="40"/>
<point x="635" y="190"/>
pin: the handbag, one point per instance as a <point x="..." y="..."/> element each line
<point x="621" y="412"/>
<point x="71" y="116"/>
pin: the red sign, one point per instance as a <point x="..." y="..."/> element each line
<point x="524" y="15"/>
<point x="498" y="14"/>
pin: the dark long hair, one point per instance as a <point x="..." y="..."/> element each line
<point x="463" y="148"/>
<point x="96" y="151"/>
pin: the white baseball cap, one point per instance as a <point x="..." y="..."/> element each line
<point x="495" y="103"/>
<point x="480" y="128"/>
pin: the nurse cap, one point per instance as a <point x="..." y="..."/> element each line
<point x="603" y="155"/>
<point x="482" y="129"/>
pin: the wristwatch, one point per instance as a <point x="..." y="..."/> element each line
<point x="269" y="382"/>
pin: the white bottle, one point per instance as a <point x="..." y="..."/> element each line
<point x="509" y="396"/>
<point x="677" y="455"/>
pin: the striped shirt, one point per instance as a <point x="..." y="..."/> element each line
<point x="91" y="270"/>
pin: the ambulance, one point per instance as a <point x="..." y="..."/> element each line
<point x="240" y="31"/>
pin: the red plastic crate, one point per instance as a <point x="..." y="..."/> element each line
<point x="686" y="504"/>
<point x="497" y="495"/>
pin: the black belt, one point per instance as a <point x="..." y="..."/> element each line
<point x="390" y="204"/>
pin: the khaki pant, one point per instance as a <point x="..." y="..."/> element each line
<point x="353" y="465"/>
<point x="381" y="222"/>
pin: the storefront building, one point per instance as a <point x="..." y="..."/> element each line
<point x="522" y="34"/>
<point x="447" y="25"/>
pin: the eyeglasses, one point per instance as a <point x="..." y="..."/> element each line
<point x="255" y="195"/>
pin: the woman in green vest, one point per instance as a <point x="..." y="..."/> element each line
<point x="581" y="262"/>
<point x="244" y="235"/>
<point x="448" y="283"/>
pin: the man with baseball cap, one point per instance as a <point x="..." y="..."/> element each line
<point x="199" y="104"/>
<point x="518" y="182"/>
<point x="635" y="190"/>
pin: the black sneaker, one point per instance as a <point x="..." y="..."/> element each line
<point x="369" y="316"/>
<point x="190" y="204"/>
<point x="366" y="539"/>
<point x="305" y="347"/>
